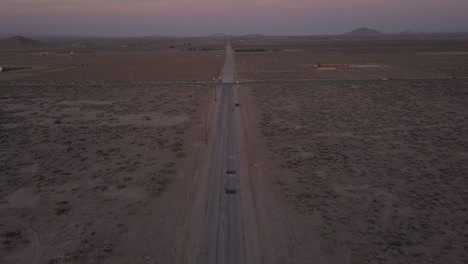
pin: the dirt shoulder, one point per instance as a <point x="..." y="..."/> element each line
<point x="359" y="173"/>
<point x="98" y="174"/>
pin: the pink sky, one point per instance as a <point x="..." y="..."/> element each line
<point x="201" y="17"/>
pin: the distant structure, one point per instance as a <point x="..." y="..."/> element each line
<point x="1" y="69"/>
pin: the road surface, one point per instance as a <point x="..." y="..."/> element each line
<point x="224" y="233"/>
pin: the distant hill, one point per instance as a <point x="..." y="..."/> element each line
<point x="19" y="42"/>
<point x="364" y="32"/>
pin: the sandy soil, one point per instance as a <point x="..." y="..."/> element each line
<point x="98" y="175"/>
<point x="348" y="173"/>
<point x="360" y="173"/>
<point x="292" y="58"/>
<point x="110" y="65"/>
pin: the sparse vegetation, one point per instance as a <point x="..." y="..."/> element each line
<point x="94" y="161"/>
<point x="11" y="240"/>
<point x="373" y="164"/>
<point x="411" y="58"/>
<point x="355" y="172"/>
<point x="62" y="208"/>
<point x="169" y="164"/>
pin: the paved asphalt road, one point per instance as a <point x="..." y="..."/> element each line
<point x="224" y="236"/>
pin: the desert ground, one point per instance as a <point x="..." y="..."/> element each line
<point x="293" y="58"/>
<point x="370" y="172"/>
<point x="361" y="164"/>
<point x="111" y="61"/>
<point x="97" y="175"/>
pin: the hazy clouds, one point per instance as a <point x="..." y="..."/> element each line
<point x="200" y="17"/>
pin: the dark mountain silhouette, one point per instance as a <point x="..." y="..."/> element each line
<point x="364" y="32"/>
<point x="19" y="42"/>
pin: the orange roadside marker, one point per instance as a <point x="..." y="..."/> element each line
<point x="255" y="164"/>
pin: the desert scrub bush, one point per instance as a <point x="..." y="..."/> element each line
<point x="291" y="198"/>
<point x="280" y="183"/>
<point x="327" y="236"/>
<point x="393" y="250"/>
<point x="177" y="143"/>
<point x="166" y="171"/>
<point x="155" y="190"/>
<point x="122" y="228"/>
<point x="344" y="220"/>
<point x="62" y="208"/>
<point x="303" y="196"/>
<point x="163" y="181"/>
<point x="169" y="164"/>
<point x="176" y="149"/>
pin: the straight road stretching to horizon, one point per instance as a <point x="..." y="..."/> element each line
<point x="224" y="233"/>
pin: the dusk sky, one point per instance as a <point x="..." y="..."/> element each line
<point x="203" y="17"/>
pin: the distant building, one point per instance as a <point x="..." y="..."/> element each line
<point x="1" y="69"/>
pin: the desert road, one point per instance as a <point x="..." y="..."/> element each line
<point x="224" y="233"/>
